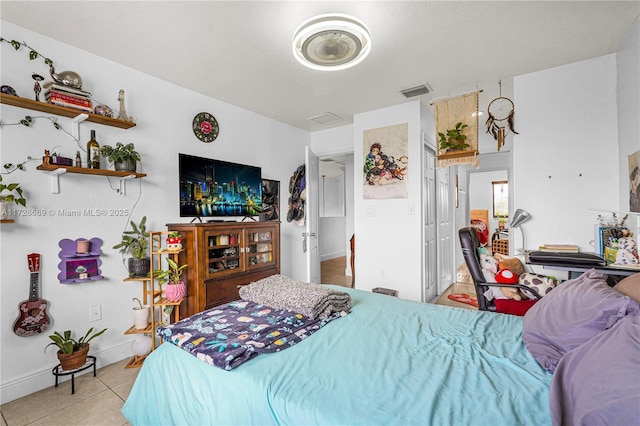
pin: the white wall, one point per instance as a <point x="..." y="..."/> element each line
<point x="163" y="113"/>
<point x="565" y="160"/>
<point x="388" y="241"/>
<point x="628" y="96"/>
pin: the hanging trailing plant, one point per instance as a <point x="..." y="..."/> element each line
<point x="33" y="54"/>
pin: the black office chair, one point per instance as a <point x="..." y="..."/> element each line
<point x="470" y="243"/>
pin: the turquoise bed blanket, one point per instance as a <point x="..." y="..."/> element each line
<point x="389" y="362"/>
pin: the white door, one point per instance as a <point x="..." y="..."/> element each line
<point x="445" y="228"/>
<point x="311" y="216"/>
<point x="430" y="241"/>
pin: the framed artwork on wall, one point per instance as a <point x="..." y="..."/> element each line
<point x="270" y="199"/>
<point x="386" y="162"/>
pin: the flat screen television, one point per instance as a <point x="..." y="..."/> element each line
<point x="214" y="188"/>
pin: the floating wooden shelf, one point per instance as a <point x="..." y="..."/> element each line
<point x="457" y="154"/>
<point x="7" y="221"/>
<point x="88" y="171"/>
<point x="62" y="111"/>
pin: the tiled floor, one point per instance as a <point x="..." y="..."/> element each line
<point x="98" y="400"/>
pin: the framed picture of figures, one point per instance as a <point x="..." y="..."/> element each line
<point x="386" y="162"/>
<point x="634" y="182"/>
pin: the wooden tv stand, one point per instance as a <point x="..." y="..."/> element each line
<point x="224" y="256"/>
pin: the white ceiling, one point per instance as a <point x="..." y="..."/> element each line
<point x="240" y="52"/>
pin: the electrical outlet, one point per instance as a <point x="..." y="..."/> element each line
<point x="95" y="313"/>
<point x="383" y="274"/>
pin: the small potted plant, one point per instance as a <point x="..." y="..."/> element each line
<point x="174" y="241"/>
<point x="72" y="353"/>
<point x="140" y="315"/>
<point x="175" y="288"/>
<point x="10" y="193"/>
<point x="123" y="157"/>
<point x="136" y="242"/>
<point x="454" y="139"/>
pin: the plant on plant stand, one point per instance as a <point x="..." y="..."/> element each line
<point x="136" y="242"/>
<point x="454" y="139"/>
<point x="175" y="288"/>
<point x="10" y="193"/>
<point x="72" y="353"/>
<point x="123" y="157"/>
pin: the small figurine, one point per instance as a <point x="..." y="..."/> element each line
<point x="46" y="160"/>
<point x="36" y="86"/>
<point x="122" y="115"/>
<point x="8" y="90"/>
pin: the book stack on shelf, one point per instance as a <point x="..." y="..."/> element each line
<point x="69" y="97"/>
<point x="560" y="248"/>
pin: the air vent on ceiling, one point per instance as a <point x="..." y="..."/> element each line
<point x="416" y="91"/>
<point x="325" y="118"/>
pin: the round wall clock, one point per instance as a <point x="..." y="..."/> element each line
<point x="205" y="127"/>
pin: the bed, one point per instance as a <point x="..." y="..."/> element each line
<point x="389" y="361"/>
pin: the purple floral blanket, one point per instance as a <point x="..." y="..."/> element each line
<point x="228" y="335"/>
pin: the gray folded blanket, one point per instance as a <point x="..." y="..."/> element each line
<point x="310" y="300"/>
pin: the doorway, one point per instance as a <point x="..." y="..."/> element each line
<point x="336" y="217"/>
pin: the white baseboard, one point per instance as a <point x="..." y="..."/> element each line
<point x="329" y="256"/>
<point x="43" y="378"/>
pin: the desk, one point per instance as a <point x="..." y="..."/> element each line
<point x="614" y="272"/>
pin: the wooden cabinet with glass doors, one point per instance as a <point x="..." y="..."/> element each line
<point x="226" y="256"/>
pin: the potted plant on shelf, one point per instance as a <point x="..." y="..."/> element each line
<point x="140" y="315"/>
<point x="454" y="139"/>
<point x="123" y="157"/>
<point x="175" y="288"/>
<point x="174" y="241"/>
<point x="72" y="353"/>
<point x="136" y="242"/>
<point x="10" y="193"/>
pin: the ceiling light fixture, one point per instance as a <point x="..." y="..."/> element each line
<point x="331" y="42"/>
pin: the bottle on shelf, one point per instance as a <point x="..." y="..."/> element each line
<point x="78" y="159"/>
<point x="93" y="152"/>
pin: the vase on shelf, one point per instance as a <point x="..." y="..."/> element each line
<point x="175" y="291"/>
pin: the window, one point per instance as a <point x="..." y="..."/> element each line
<point x="500" y="198"/>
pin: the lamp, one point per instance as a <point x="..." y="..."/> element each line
<point x="331" y="42"/>
<point x="520" y="217"/>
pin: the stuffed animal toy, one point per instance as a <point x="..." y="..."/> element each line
<point x="541" y="283"/>
<point x="489" y="266"/>
<point x="505" y="276"/>
<point x="627" y="253"/>
<point x="513" y="264"/>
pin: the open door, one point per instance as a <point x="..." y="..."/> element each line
<point x="312" y="216"/>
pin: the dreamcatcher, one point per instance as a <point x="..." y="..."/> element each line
<point x="501" y="113"/>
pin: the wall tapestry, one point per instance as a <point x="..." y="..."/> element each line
<point x="386" y="162"/>
<point x="449" y="113"/>
<point x="634" y="182"/>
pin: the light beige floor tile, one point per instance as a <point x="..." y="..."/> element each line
<point x="102" y="409"/>
<point x="42" y="403"/>
<point x="115" y="374"/>
<point x="456" y="288"/>
<point x="123" y="389"/>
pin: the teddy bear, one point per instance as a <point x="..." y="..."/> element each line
<point x="627" y="253"/>
<point x="511" y="263"/>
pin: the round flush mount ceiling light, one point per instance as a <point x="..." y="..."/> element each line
<point x="331" y="42"/>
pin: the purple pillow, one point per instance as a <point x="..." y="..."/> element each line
<point x="599" y="381"/>
<point x="572" y="313"/>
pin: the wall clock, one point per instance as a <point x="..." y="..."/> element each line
<point x="205" y="127"/>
